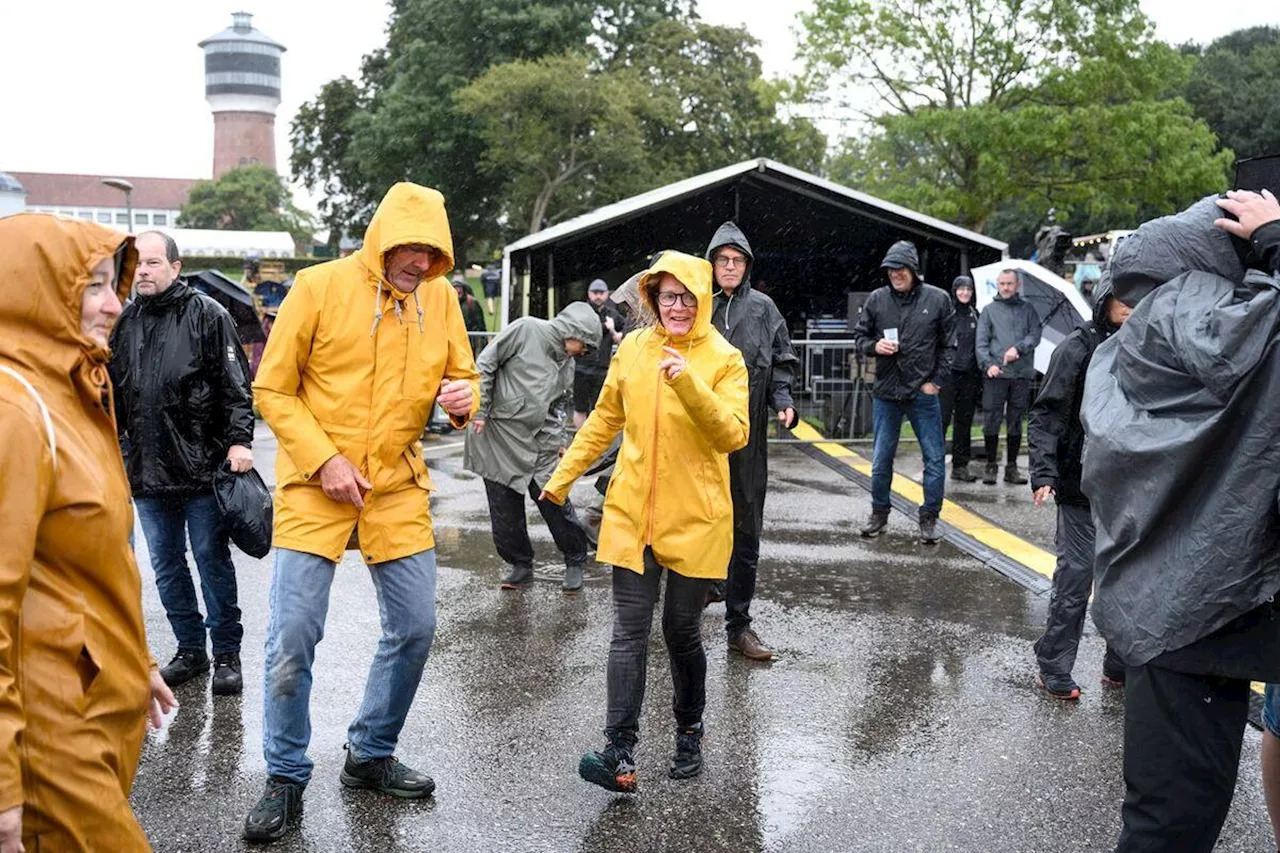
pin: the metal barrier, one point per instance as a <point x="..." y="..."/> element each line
<point x="832" y="388"/>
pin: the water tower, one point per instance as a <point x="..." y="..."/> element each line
<point x="242" y="86"/>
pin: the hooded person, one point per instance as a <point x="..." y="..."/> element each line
<point x="677" y="391"/>
<point x="750" y="321"/>
<point x="909" y="326"/>
<point x="960" y="395"/>
<point x="472" y="312"/>
<point x="1182" y="469"/>
<point x="520" y="430"/>
<point x="590" y="369"/>
<point x="1008" y="334"/>
<point x="347" y="393"/>
<point x="75" y="675"/>
<point x="1055" y="441"/>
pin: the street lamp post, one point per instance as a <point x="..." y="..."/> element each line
<point x="127" y="188"/>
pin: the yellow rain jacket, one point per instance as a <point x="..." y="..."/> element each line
<point x="670" y="487"/>
<point x="74" y="667"/>
<point x="353" y="367"/>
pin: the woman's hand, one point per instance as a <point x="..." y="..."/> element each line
<point x="162" y="701"/>
<point x="674" y="365"/>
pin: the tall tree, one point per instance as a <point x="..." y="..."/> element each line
<point x="980" y="102"/>
<point x="248" y="198"/>
<point x="1235" y="87"/>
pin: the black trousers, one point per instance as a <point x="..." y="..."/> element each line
<point x="1182" y="738"/>
<point x="1069" y="598"/>
<point x="586" y="390"/>
<point x="1007" y="400"/>
<point x="634" y="599"/>
<point x="511" y="530"/>
<point x="960" y="397"/>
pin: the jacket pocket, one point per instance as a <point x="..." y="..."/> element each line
<point x="507" y="407"/>
<point x="421" y="477"/>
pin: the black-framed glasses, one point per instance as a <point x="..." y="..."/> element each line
<point x="666" y="299"/>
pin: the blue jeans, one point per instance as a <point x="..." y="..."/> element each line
<point x="166" y="522"/>
<point x="299" y="602"/>
<point x="925" y="414"/>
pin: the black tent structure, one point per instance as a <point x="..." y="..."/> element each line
<point x="817" y="244"/>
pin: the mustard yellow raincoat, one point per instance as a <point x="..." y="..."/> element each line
<point x="670" y="487"/>
<point x="74" y="667"/>
<point x="353" y="367"/>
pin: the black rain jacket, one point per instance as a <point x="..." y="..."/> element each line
<point x="750" y="321"/>
<point x="965" y="359"/>
<point x="1055" y="435"/>
<point x="596" y="362"/>
<point x="925" y="319"/>
<point x="182" y="391"/>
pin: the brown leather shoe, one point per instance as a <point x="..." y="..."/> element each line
<point x="749" y="646"/>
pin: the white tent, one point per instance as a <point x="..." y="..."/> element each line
<point x="240" y="244"/>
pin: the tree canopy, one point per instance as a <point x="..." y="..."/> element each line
<point x="1235" y="88"/>
<point x="248" y="198"/>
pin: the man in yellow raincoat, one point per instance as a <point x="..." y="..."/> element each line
<point x="361" y="350"/>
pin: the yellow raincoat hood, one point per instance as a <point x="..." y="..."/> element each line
<point x="670" y="487"/>
<point x="409" y="214"/>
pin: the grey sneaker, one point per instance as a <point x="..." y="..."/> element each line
<point x="572" y="578"/>
<point x="876" y="524"/>
<point x="517" y="577"/>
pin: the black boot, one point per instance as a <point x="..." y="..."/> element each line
<point x="687" y="761"/>
<point x="186" y="665"/>
<point x="614" y="767"/>
<point x="279" y="807"/>
<point x="1011" y="472"/>
<point x="962" y="473"/>
<point x="227" y="680"/>
<point x="517" y="577"/>
<point x="876" y="524"/>
<point x="386" y="776"/>
<point x="993" y="456"/>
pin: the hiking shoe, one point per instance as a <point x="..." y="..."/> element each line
<point x="613" y="768"/>
<point x="517" y="577"/>
<point x="989" y="474"/>
<point x="876" y="524"/>
<point x="387" y="776"/>
<point x="715" y="593"/>
<point x="572" y="579"/>
<point x="1013" y="475"/>
<point x="747" y="644"/>
<point x="962" y="473"/>
<point x="1059" y="686"/>
<point x="929" y="529"/>
<point x="227" y="680"/>
<point x="186" y="665"/>
<point x="279" y="807"/>
<point x="1113" y="670"/>
<point x="687" y="762"/>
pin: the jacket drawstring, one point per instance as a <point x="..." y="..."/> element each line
<point x="421" y="313"/>
<point x="377" y="308"/>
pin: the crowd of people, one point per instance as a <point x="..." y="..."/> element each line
<point x="122" y="383"/>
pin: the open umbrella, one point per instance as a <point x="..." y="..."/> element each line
<point x="1058" y="304"/>
<point x="233" y="297"/>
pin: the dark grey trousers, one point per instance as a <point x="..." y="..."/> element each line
<point x="511" y="530"/>
<point x="1069" y="598"/>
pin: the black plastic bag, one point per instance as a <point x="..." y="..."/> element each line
<point x="245" y="504"/>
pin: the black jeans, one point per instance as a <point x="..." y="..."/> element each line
<point x="1005" y="399"/>
<point x="960" y="396"/>
<point x="634" y="598"/>
<point x="511" y="532"/>
<point x="1182" y="737"/>
<point x="740" y="588"/>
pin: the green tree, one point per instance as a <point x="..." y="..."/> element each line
<point x="1235" y="88"/>
<point x="979" y="103"/>
<point x="248" y="198"/>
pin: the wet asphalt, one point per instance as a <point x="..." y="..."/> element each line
<point x="900" y="714"/>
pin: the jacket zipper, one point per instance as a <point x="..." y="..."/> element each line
<point x="653" y="468"/>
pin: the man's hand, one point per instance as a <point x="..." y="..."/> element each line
<point x="787" y="416"/>
<point x="1011" y="355"/>
<point x="886" y="347"/>
<point x="456" y="397"/>
<point x="477" y="424"/>
<point x="11" y="831"/>
<point x="994" y="371"/>
<point x="1250" y="209"/>
<point x="162" y="701"/>
<point x="342" y="482"/>
<point x="674" y="365"/>
<point x="608" y="324"/>
<point x="240" y="457"/>
<point x="930" y="389"/>
<point x="1042" y="494"/>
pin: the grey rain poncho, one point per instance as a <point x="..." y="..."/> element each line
<point x="1182" y="455"/>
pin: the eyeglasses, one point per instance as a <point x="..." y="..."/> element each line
<point x="724" y="262"/>
<point x="667" y="299"/>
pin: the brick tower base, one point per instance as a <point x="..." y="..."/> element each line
<point x="241" y="139"/>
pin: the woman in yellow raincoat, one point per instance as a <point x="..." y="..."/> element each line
<point x="677" y="392"/>
<point x="76" y="679"/>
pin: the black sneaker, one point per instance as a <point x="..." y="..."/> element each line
<point x="186" y="665"/>
<point x="227" y="680"/>
<point x="929" y="529"/>
<point x="1059" y="686"/>
<point x="517" y="577"/>
<point x="280" y="807"/>
<point x="687" y="762"/>
<point x="572" y="579"/>
<point x="613" y="768"/>
<point x="387" y="776"/>
<point x="1113" y="671"/>
<point x="875" y="525"/>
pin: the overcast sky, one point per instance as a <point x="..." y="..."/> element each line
<point x="120" y="88"/>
